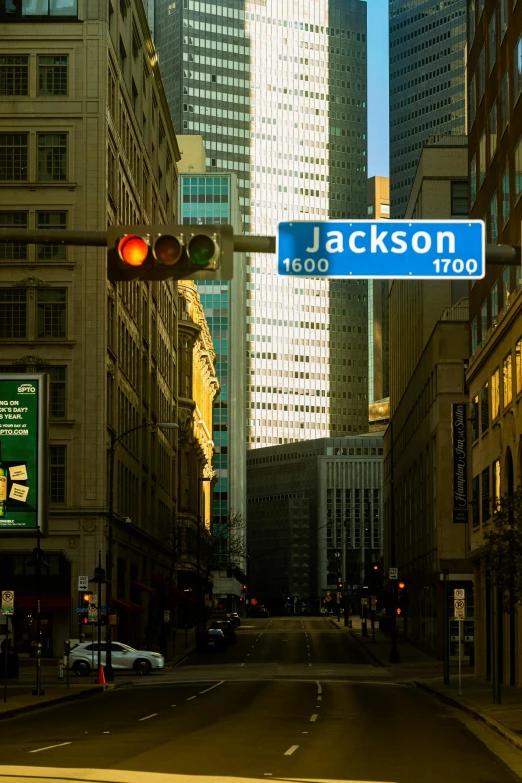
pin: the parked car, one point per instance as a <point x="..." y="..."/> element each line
<point x="228" y="630"/>
<point x="235" y="620"/>
<point x="212" y="640"/>
<point x="259" y="611"/>
<point x="85" y="655"/>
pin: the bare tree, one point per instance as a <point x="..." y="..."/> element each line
<point x="225" y="548"/>
<point x="503" y="538"/>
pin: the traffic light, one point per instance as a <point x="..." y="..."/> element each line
<point x="340" y="587"/>
<point x="189" y="252"/>
<point x="86" y="597"/>
<point x="402" y="607"/>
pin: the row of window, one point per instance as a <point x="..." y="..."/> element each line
<point x="37" y="10"/>
<point x="20" y="251"/>
<point x="490" y="308"/>
<point x="501" y="384"/>
<point x="51" y="157"/>
<point x="44" y="317"/>
<point x="58" y="386"/>
<point x="15" y="73"/>
<point x="482" y="486"/>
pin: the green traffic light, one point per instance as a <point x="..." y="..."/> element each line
<point x="202" y="250"/>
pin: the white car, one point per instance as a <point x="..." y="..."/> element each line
<point x="84" y="657"/>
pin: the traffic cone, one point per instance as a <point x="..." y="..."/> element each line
<point x="101" y="675"/>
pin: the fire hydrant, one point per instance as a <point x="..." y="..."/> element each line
<point x="60" y="669"/>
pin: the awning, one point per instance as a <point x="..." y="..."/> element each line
<point x="180" y="598"/>
<point x="141" y="586"/>
<point x="47" y="602"/>
<point x="129" y="605"/>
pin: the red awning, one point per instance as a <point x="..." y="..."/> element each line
<point x="129" y="605"/>
<point x="47" y="602"/>
<point x="141" y="586"/>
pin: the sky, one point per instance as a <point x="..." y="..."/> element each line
<point x="378" y="103"/>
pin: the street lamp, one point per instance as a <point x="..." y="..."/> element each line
<point x="164" y="425"/>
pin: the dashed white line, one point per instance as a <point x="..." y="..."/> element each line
<point x="319" y="698"/>
<point x="314" y="717"/>
<point x="242" y="664"/>
<point x="291" y="749"/>
<point x="50" y="747"/>
<point x="319" y="686"/>
<point x="153" y="715"/>
<point x="190" y="698"/>
<point x="213" y="686"/>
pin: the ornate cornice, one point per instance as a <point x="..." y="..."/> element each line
<point x="30" y="282"/>
<point x="30" y="359"/>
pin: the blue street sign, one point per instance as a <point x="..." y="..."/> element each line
<point x="84" y="609"/>
<point x="390" y="249"/>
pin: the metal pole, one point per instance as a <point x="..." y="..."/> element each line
<point x="445" y="633"/>
<point x="5" y="655"/>
<point x="497" y="645"/>
<point x="38" y="690"/>
<point x="109" y="671"/>
<point x="198" y="560"/>
<point x="394" y="651"/>
<point x="460" y="657"/>
<point x="98" y="599"/>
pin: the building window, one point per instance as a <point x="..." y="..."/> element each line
<point x="504" y="103"/>
<point x="485" y="495"/>
<point x="51" y="220"/>
<point x="471" y="22"/>
<point x="517" y="71"/>
<point x="503" y="17"/>
<point x="484" y="408"/>
<point x="51" y="312"/>
<point x="481" y="71"/>
<point x="505" y="196"/>
<point x="474" y="336"/>
<point x="52" y="157"/>
<point x="57" y="397"/>
<point x="493" y="131"/>
<point x="13" y="251"/>
<point x="13" y="156"/>
<point x="506" y="285"/>
<point x="474" y="418"/>
<point x="518" y="365"/>
<point x="475" y="501"/>
<point x="492" y="42"/>
<point x="484" y="321"/>
<point x="494" y="304"/>
<point x="518" y="168"/>
<point x="495" y="470"/>
<point x="13" y="313"/>
<point x="472" y="109"/>
<point x="473" y="180"/>
<point x="14" y="74"/>
<point x="507" y="380"/>
<point x="482" y="158"/>
<point x="493" y="219"/>
<point x="57" y="457"/>
<point x="12" y="11"/>
<point x="459" y="198"/>
<point x="495" y="394"/>
<point x="52" y="74"/>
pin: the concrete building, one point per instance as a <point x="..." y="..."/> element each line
<point x="428" y="351"/>
<point x="268" y="87"/>
<point x="314" y="515"/>
<point x="494" y="375"/>
<point x="427" y="85"/>
<point x="87" y="140"/>
<point x="213" y="198"/>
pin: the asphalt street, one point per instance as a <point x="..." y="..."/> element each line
<point x="248" y="720"/>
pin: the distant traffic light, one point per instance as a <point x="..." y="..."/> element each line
<point x="403" y="599"/>
<point x="340" y="586"/>
<point x="375" y="567"/>
<point x="401" y="585"/>
<point x="175" y="251"/>
<point x="86" y="597"/>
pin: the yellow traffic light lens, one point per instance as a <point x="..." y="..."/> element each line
<point x="401" y="585"/>
<point x="86" y="596"/>
<point x="133" y="250"/>
<point x="168" y="250"/>
<point x="202" y="250"/>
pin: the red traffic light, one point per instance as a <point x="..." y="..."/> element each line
<point x="133" y="250"/>
<point x="376" y="568"/>
<point x="402" y="585"/>
<point x="85" y="620"/>
<point x="399" y="610"/>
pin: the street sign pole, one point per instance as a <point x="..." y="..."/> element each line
<point x="460" y="657"/>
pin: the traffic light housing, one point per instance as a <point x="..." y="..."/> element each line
<point x="403" y="600"/>
<point x="340" y="586"/>
<point x="178" y="252"/>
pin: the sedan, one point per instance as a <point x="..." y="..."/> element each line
<point x="84" y="657"/>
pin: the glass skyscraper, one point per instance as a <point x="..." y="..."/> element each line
<point x="213" y="198"/>
<point x="278" y="91"/>
<point x="427" y="84"/>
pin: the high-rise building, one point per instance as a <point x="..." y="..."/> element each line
<point x="278" y="92"/>
<point x="378" y="330"/>
<point x="213" y="198"/>
<point x="427" y="84"/>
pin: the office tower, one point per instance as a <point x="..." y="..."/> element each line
<point x="378" y="333"/>
<point x="213" y="198"/>
<point x="278" y="92"/>
<point x="427" y="85"/>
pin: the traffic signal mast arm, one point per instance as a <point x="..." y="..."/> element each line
<point x="495" y="254"/>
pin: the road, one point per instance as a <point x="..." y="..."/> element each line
<point x="265" y="708"/>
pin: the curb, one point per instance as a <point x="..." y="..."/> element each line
<point x="475" y="712"/>
<point x="49" y="703"/>
<point x="369" y="654"/>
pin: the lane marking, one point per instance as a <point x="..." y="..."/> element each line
<point x="151" y="716"/>
<point x="172" y="705"/>
<point x="309" y="664"/>
<point x="50" y="747"/>
<point x="213" y="686"/>
<point x="290" y="750"/>
<point x="242" y="664"/>
<point x="319" y="698"/>
<point x="304" y="732"/>
<point x="106" y="732"/>
<point x="268" y="774"/>
<point x="319" y="686"/>
<point x="190" y="698"/>
<point x="314" y="717"/>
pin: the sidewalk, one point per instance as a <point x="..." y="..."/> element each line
<point x="26" y="702"/>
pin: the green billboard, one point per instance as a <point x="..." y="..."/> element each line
<point x="23" y="452"/>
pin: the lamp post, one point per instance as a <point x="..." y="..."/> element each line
<point x="115" y="439"/>
<point x="199" y="612"/>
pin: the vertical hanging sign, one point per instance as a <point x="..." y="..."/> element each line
<point x="460" y="462"/>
